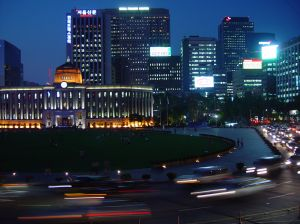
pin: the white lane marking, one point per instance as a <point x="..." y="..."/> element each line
<point x="192" y="209"/>
<point x="283" y="195"/>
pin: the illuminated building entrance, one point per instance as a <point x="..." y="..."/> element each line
<point x="62" y="121"/>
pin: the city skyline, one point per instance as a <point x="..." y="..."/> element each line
<point x="51" y="25"/>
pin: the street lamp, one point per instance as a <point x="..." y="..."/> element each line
<point x="216" y="118"/>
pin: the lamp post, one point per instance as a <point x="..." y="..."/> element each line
<point x="216" y="118"/>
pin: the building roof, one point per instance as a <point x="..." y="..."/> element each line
<point x="68" y="73"/>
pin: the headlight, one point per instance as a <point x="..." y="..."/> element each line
<point x="250" y="170"/>
<point x="262" y="171"/>
<point x="288" y="162"/>
<point x="298" y="163"/>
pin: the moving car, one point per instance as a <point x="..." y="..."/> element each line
<point x="268" y="164"/>
<point x="204" y="175"/>
<point x="235" y="187"/>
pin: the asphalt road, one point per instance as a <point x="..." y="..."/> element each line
<point x="169" y="203"/>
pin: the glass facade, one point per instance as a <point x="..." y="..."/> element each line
<point x="288" y="71"/>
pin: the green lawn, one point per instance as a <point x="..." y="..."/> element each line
<point x="77" y="150"/>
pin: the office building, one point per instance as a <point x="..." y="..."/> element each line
<point x="11" y="67"/>
<point x="198" y="60"/>
<point x="84" y="42"/>
<point x="288" y="70"/>
<point x="255" y="43"/>
<point x="165" y="74"/>
<point x="232" y="41"/>
<point x="250" y="79"/>
<point x="70" y="103"/>
<point x="220" y="85"/>
<point x="98" y="39"/>
<point x="130" y="32"/>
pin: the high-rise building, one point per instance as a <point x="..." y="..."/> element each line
<point x="198" y="60"/>
<point x="84" y="44"/>
<point x="255" y="42"/>
<point x="165" y="74"/>
<point x="130" y="32"/>
<point x="98" y="39"/>
<point x="220" y="85"/>
<point x="288" y="70"/>
<point x="232" y="41"/>
<point x="11" y="68"/>
<point x="251" y="81"/>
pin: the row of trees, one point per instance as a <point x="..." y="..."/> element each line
<point x="195" y="108"/>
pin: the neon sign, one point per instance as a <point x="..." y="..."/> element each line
<point x="86" y="13"/>
<point x="252" y="64"/>
<point x="134" y="8"/>
<point x="160" y="51"/>
<point x="227" y="19"/>
<point x="69" y="41"/>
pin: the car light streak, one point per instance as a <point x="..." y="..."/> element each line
<point x="186" y="181"/>
<point x="83" y="195"/>
<point x="49" y="217"/>
<point x="83" y="198"/>
<point x="216" y="194"/>
<point x="262" y="172"/>
<point x="117" y="213"/>
<point x="209" y="191"/>
<point x="59" y="186"/>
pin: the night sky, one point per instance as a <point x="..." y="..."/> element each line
<point x="37" y="27"/>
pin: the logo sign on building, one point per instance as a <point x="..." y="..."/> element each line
<point x="269" y="52"/>
<point x="204" y="81"/>
<point x="252" y="64"/>
<point x="264" y="42"/>
<point x="134" y="8"/>
<point x="86" y="13"/>
<point x="160" y="51"/>
<point x="69" y="41"/>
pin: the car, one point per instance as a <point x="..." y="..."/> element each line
<point x="292" y="146"/>
<point x="295" y="160"/>
<point x="235" y="187"/>
<point x="204" y="175"/>
<point x="268" y="164"/>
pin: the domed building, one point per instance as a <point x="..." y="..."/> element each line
<point x="70" y="103"/>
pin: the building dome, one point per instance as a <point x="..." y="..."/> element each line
<point x="68" y="73"/>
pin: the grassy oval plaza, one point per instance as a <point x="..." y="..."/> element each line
<point x="87" y="150"/>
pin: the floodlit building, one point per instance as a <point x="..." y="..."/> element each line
<point x="288" y="70"/>
<point x="11" y="68"/>
<point x="70" y="103"/>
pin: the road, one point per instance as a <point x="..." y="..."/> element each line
<point x="169" y="203"/>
